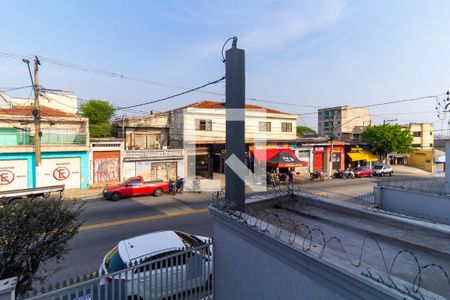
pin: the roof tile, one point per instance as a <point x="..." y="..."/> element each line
<point x="28" y="111"/>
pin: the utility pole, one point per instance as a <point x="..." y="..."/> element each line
<point x="37" y="113"/>
<point x="235" y="125"/>
<point x="330" y="169"/>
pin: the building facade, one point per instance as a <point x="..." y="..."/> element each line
<point x="343" y="122"/>
<point x="64" y="149"/>
<point x="423" y="135"/>
<point x="147" y="151"/>
<point x="199" y="129"/>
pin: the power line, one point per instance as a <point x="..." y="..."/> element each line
<point x="142" y="80"/>
<point x="173" y="96"/>
<point x="384" y="103"/>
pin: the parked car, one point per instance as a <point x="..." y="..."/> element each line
<point x="135" y="186"/>
<point x="164" y="278"/>
<point x="381" y="170"/>
<point x="363" y="172"/>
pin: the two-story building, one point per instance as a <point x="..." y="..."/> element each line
<point x="64" y="146"/>
<point x="199" y="128"/>
<point x="147" y="150"/>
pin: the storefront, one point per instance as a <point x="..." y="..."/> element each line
<point x="160" y="164"/>
<point x="277" y="160"/>
<point x="358" y="157"/>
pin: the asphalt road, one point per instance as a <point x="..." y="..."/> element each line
<point x="106" y="222"/>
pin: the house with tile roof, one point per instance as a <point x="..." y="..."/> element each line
<point x="64" y="144"/>
<point x="199" y="128"/>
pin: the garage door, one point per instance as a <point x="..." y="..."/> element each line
<point x="13" y="174"/>
<point x="61" y="171"/>
<point x="106" y="166"/>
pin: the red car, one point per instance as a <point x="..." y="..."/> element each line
<point x="135" y="186"/>
<point x="363" y="172"/>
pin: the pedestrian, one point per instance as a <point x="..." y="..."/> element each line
<point x="291" y="179"/>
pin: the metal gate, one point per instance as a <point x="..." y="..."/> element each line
<point x="106" y="166"/>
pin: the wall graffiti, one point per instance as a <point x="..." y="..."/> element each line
<point x="106" y="167"/>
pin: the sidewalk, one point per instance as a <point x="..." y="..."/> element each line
<point x="88" y="194"/>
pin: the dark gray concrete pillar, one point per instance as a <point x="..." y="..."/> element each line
<point x="235" y="128"/>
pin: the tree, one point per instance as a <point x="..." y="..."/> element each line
<point x="388" y="138"/>
<point x="99" y="113"/>
<point x="305" y="130"/>
<point x="33" y="232"/>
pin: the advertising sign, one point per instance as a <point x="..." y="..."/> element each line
<point x="13" y="175"/>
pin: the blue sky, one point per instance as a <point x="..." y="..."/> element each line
<point x="308" y="53"/>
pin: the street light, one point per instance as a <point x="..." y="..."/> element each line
<point x="29" y="71"/>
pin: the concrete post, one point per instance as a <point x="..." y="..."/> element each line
<point x="235" y="127"/>
<point x="8" y="288"/>
<point x="447" y="166"/>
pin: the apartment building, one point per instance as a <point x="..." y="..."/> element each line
<point x="423" y="135"/>
<point x="342" y="122"/>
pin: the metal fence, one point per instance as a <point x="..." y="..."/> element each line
<point x="27" y="138"/>
<point x="182" y="274"/>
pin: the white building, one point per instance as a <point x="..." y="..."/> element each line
<point x="199" y="128"/>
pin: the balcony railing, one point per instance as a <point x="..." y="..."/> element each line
<point x="26" y="139"/>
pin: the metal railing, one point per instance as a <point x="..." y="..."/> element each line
<point x="183" y="274"/>
<point x="153" y="153"/>
<point x="27" y="139"/>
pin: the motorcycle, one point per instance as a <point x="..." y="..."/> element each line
<point x="316" y="175"/>
<point x="176" y="186"/>
<point x="338" y="174"/>
<point x="348" y="173"/>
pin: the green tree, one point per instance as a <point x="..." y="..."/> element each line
<point x="388" y="138"/>
<point x="33" y="232"/>
<point x="99" y="113"/>
<point x="305" y="130"/>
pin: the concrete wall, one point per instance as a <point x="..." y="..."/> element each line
<point x="249" y="264"/>
<point x="422" y="159"/>
<point x="425" y="205"/>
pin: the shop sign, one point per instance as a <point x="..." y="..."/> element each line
<point x="318" y="149"/>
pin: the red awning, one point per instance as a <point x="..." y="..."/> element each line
<point x="267" y="154"/>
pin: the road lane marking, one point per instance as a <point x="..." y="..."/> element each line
<point x="142" y="219"/>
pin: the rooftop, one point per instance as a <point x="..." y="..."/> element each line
<point x="28" y="111"/>
<point x="221" y="105"/>
<point x="401" y="254"/>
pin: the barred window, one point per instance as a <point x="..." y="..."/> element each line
<point x="265" y="126"/>
<point x="204" y="125"/>
<point x="286" y="127"/>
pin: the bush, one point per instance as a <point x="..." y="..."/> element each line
<point x="33" y="232"/>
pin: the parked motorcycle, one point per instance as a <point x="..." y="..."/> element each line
<point x="176" y="186"/>
<point x="316" y="175"/>
<point x="338" y="174"/>
<point x="348" y="173"/>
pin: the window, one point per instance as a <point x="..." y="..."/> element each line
<point x="265" y="126"/>
<point x="431" y="133"/>
<point x="286" y="127"/>
<point x="204" y="125"/>
<point x="417" y="134"/>
<point x="135" y="182"/>
<point x="431" y="145"/>
<point x="416" y="145"/>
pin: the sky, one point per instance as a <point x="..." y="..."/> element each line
<point x="309" y="53"/>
